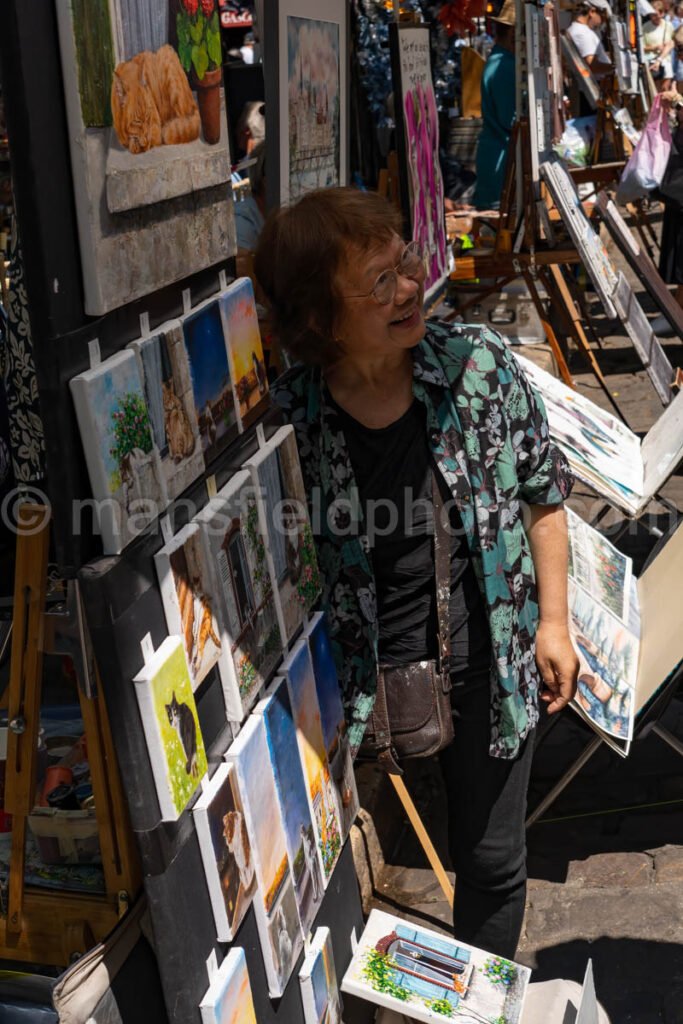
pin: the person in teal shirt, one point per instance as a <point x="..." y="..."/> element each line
<point x="498" y="103"/>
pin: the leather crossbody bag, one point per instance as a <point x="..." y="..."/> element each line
<point x="412" y="714"/>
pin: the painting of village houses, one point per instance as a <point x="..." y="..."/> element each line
<point x="245" y="351"/>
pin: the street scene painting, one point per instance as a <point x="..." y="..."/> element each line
<point x="600" y="568"/>
<point x="318" y="980"/>
<point x="228" y="999"/>
<point x="226" y="851"/>
<point x="275" y="906"/>
<point x="426" y="976"/>
<point x="211" y="381"/>
<point x="171" y="726"/>
<point x="245" y="351"/>
<point x="300" y="833"/>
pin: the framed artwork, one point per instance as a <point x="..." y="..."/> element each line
<point x="169" y="719"/>
<point x="245" y="351"/>
<point x="300" y="832"/>
<point x="149" y="143"/>
<point x="318" y="980"/>
<point x="277" y="916"/>
<point x="417" y="133"/>
<point x="228" y="999"/>
<point x="187" y="593"/>
<point x="235" y="552"/>
<point x="170" y="403"/>
<point x="306" y="62"/>
<point x="125" y="470"/>
<point x="226" y="851"/>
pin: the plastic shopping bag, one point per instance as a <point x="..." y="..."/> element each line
<point x="647" y="163"/>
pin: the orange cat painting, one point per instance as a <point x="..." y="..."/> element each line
<point x="152" y="103"/>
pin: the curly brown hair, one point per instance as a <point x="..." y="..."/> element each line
<point x="300" y="250"/>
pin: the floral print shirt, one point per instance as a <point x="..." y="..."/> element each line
<point x="488" y="435"/>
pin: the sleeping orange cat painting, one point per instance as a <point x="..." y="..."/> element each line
<point x="152" y="103"/>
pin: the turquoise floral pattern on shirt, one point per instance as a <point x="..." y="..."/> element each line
<point x="488" y="434"/>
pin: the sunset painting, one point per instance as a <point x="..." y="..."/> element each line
<point x="245" y="351"/>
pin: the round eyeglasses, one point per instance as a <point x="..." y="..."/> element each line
<point x="410" y="264"/>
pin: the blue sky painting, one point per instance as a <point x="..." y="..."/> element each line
<point x="206" y="351"/>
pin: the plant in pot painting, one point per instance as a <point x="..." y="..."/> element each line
<point x="199" y="50"/>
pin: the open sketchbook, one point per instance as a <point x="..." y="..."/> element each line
<point x="602" y="451"/>
<point x="628" y="640"/>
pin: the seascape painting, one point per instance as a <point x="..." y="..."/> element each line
<point x="211" y="383"/>
<point x="123" y="460"/>
<point x="333" y="721"/>
<point x="149" y="143"/>
<point x="245" y="351"/>
<point x="322" y="797"/>
<point x="236" y="554"/>
<point x="187" y="593"/>
<point x="171" y="726"/>
<point x="229" y="999"/>
<point x="226" y="851"/>
<point x="168" y="393"/>
<point x="318" y="980"/>
<point x="275" y="906"/>
<point x="428" y="977"/>
<point x="300" y="833"/>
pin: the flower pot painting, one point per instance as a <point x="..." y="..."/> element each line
<point x="429" y="977"/>
<point x="300" y="833"/>
<point x="139" y="144"/>
<point x="283" y="514"/>
<point x="320" y="791"/>
<point x="189" y="602"/>
<point x="245" y="350"/>
<point x="318" y="980"/>
<point x="170" y="402"/>
<point x="169" y="718"/>
<point x="229" y="999"/>
<point x="226" y="851"/>
<point x="123" y="461"/>
<point x="236" y="554"/>
<point x="277" y="917"/>
<point x="333" y="722"/>
<point x="210" y="374"/>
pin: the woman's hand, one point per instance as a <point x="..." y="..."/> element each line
<point x="558" y="664"/>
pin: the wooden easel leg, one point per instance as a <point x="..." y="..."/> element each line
<point x="423" y="837"/>
<point x="549" y="332"/>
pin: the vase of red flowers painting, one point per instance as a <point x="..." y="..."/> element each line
<point x="199" y="49"/>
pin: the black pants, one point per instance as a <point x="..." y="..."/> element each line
<point x="487" y="841"/>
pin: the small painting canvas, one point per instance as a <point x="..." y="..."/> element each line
<point x="168" y="393"/>
<point x="211" y="384"/>
<point x="228" y="999"/>
<point x="249" y="630"/>
<point x="318" y="980"/>
<point x="169" y="718"/>
<point x="333" y="721"/>
<point x="123" y="461"/>
<point x="300" y="833"/>
<point x="322" y="797"/>
<point x="277" y="917"/>
<point x="245" y="351"/>
<point x="283" y="513"/>
<point x="429" y="977"/>
<point x="189" y="604"/>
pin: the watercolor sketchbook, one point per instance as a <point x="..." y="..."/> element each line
<point x="123" y="461"/>
<point x="214" y="401"/>
<point x="235" y="554"/>
<point x="226" y="851"/>
<point x="318" y="980"/>
<point x="245" y="351"/>
<point x="333" y="722"/>
<point x="283" y="515"/>
<point x="228" y="999"/>
<point x="169" y="719"/>
<point x="300" y="833"/>
<point x="168" y="392"/>
<point x="186" y="584"/>
<point x="277" y="917"/>
<point x="429" y="977"/>
<point x="320" y="790"/>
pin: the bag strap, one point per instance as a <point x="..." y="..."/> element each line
<point x="442" y="565"/>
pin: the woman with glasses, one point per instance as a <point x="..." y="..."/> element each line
<point x="392" y="415"/>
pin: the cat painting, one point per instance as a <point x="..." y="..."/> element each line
<point x="177" y="423"/>
<point x="152" y="103"/>
<point x="181" y="719"/>
<point x="237" y="841"/>
<point x="197" y="620"/>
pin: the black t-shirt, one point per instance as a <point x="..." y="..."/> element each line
<point x="393" y="468"/>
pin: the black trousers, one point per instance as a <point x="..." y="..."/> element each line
<point x="487" y="800"/>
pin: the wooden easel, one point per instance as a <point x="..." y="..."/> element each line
<point x="42" y="926"/>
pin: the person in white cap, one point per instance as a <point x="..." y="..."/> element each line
<point x="583" y="32"/>
<point x="658" y="43"/>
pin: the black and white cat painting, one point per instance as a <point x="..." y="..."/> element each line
<point x="182" y="720"/>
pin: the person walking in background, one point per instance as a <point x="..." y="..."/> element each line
<point x="498" y="111"/>
<point x="584" y="33"/>
<point x="658" y="43"/>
